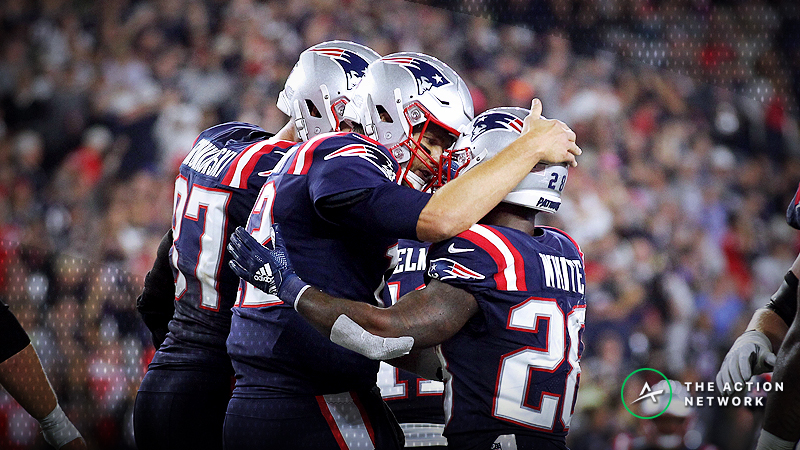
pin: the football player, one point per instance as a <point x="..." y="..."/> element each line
<point x="182" y="400"/>
<point x="505" y="300"/>
<point x="22" y="376"/>
<point x="773" y="326"/>
<point x="343" y="211"/>
<point x="415" y="401"/>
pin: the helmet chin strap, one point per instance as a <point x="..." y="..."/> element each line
<point x="398" y="104"/>
<point x="300" y="122"/>
<point x="369" y="125"/>
<point x="412" y="178"/>
<point x="326" y="106"/>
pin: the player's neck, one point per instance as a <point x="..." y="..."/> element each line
<point x="512" y="216"/>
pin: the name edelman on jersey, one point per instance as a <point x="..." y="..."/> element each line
<point x="407" y="262"/>
<point x="208" y="159"/>
<point x="562" y="273"/>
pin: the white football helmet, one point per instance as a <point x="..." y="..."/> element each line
<point x="405" y="90"/>
<point x="321" y="83"/>
<point x="490" y="133"/>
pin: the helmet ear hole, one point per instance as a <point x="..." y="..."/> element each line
<point x="312" y="109"/>
<point x="383" y="114"/>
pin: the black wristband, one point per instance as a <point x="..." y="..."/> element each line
<point x="784" y="301"/>
<point x="13" y="337"/>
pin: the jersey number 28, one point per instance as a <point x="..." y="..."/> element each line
<point x="516" y="368"/>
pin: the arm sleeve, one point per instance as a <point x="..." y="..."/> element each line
<point x="156" y="302"/>
<point x="784" y="301"/>
<point x="13" y="337"/>
<point x="388" y="209"/>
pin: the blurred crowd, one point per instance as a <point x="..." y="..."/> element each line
<point x="678" y="201"/>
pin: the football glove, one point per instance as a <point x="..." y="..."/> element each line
<point x="268" y="269"/>
<point x="751" y="354"/>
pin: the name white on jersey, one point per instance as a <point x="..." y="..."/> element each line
<point x="562" y="273"/>
<point x="208" y="159"/>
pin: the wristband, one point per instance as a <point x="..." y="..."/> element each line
<point x="57" y="429"/>
<point x="352" y="336"/>
<point x="291" y="289"/>
<point x="768" y="441"/>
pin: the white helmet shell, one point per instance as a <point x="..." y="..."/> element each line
<point x="321" y="83"/>
<point x="406" y="89"/>
<point x="494" y="130"/>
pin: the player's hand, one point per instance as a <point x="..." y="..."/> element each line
<point x="751" y="354"/>
<point x="553" y="139"/>
<point x="268" y="269"/>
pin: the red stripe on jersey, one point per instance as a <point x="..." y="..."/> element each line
<point x="326" y="413"/>
<point x="364" y="416"/>
<point x="305" y="154"/>
<point x="283" y="145"/>
<point x="797" y="196"/>
<point x="499" y="260"/>
<point x="502" y="252"/>
<point x="519" y="263"/>
<point x="244" y="172"/>
<point x="568" y="237"/>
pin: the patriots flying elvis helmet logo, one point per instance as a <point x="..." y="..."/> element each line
<point x="425" y="73"/>
<point x="352" y="63"/>
<point x="446" y="269"/>
<point x="494" y="121"/>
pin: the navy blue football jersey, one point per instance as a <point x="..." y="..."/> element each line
<point x="514" y="367"/>
<point x="216" y="188"/>
<point x="275" y="352"/>
<point x="411" y="398"/>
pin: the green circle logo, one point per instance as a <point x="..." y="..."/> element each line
<point x="644" y="395"/>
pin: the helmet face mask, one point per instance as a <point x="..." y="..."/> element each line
<point x="404" y="92"/>
<point x="494" y="130"/>
<point x="320" y="85"/>
<point x="424" y="126"/>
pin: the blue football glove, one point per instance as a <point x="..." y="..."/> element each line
<point x="267" y="269"/>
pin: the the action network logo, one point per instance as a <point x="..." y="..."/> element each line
<point x="658" y="396"/>
<point x="680" y="398"/>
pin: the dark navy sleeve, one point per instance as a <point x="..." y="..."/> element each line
<point x="13" y="337"/>
<point x="462" y="263"/>
<point x="348" y="162"/>
<point x="237" y="131"/>
<point x="389" y="210"/>
<point x="156" y="302"/>
<point x="352" y="183"/>
<point x="793" y="212"/>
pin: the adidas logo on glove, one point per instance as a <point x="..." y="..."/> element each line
<point x="264" y="275"/>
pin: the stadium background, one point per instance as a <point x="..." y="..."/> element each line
<point x="684" y="110"/>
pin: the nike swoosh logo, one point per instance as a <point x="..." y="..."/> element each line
<point x="265" y="173"/>
<point x="453" y="249"/>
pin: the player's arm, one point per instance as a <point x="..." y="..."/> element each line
<point x="782" y="412"/>
<point x="22" y="375"/>
<point x="420" y="318"/>
<point x="156" y="302"/>
<point x="753" y="352"/>
<point x="465" y="200"/>
<point x="401" y="212"/>
<point x="430" y="315"/>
